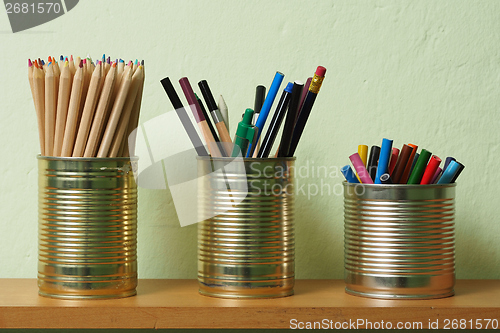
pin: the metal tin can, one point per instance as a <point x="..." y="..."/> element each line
<point x="399" y="240"/>
<point x="87" y="227"/>
<point x="246" y="246"/>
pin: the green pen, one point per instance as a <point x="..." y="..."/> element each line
<point x="244" y="134"/>
<point x="418" y="170"/>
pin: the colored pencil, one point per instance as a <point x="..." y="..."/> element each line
<point x="73" y="113"/>
<point x="63" y="97"/>
<point x="98" y="123"/>
<point x="87" y="113"/>
<point x="116" y="113"/>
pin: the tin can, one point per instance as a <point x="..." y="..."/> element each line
<point x="87" y="227"/>
<point x="399" y="240"/>
<point x="246" y="245"/>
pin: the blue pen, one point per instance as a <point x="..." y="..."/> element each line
<point x="449" y="173"/>
<point x="266" y="107"/>
<point x="349" y="174"/>
<point x="383" y="159"/>
<point x="447" y="162"/>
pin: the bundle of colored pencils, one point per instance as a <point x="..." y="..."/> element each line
<point x="296" y="103"/>
<point x="388" y="165"/>
<point x="86" y="109"/>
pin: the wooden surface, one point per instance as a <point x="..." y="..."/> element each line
<point x="177" y="304"/>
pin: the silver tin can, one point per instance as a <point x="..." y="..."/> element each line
<point x="246" y="246"/>
<point x="399" y="240"/>
<point x="87" y="227"/>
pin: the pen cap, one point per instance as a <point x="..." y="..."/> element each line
<point x="247" y="117"/>
<point x="245" y="128"/>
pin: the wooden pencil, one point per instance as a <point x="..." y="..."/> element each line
<point x="100" y="114"/>
<point x="72" y="65"/>
<point x="50" y="109"/>
<point x="85" y="88"/>
<point x="73" y="113"/>
<point x="57" y="75"/>
<point x="63" y="96"/>
<point x="121" y="129"/>
<point x="88" y="113"/>
<point x="39" y="96"/>
<point x="116" y="112"/>
<point x="134" y="117"/>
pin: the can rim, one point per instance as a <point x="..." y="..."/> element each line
<point x="86" y="159"/>
<point x="345" y="183"/>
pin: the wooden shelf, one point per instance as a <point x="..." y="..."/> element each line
<point x="177" y="304"/>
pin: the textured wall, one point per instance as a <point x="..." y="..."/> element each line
<point x="425" y="72"/>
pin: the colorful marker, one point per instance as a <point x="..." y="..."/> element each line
<point x="383" y="160"/>
<point x="430" y="170"/>
<point x="385" y="179"/>
<point x="394" y="159"/>
<point x="349" y="174"/>
<point x="403" y="158"/>
<point x="373" y="161"/>
<point x="449" y="173"/>
<point x="418" y="170"/>
<point x="360" y="169"/>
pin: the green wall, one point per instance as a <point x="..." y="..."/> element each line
<point x="425" y="72"/>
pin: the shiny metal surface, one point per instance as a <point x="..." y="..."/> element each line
<point x="87" y="227"/>
<point x="247" y="249"/>
<point x="399" y="240"/>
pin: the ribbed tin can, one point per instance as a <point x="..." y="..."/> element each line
<point x="87" y="227"/>
<point x="246" y="246"/>
<point x="399" y="240"/>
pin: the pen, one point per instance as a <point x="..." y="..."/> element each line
<point x="216" y="115"/>
<point x="304" y="112"/>
<point x="266" y="107"/>
<point x="245" y="133"/>
<point x="293" y="108"/>
<point x="275" y="124"/>
<point x="198" y="115"/>
<point x="183" y="116"/>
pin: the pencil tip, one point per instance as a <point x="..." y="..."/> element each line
<point x="114" y="64"/>
<point x="130" y="63"/>
<point x="142" y="62"/>
<point x="61" y="58"/>
<point x="66" y="63"/>
<point x="30" y="63"/>
<point x="81" y="63"/>
<point x="71" y="58"/>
